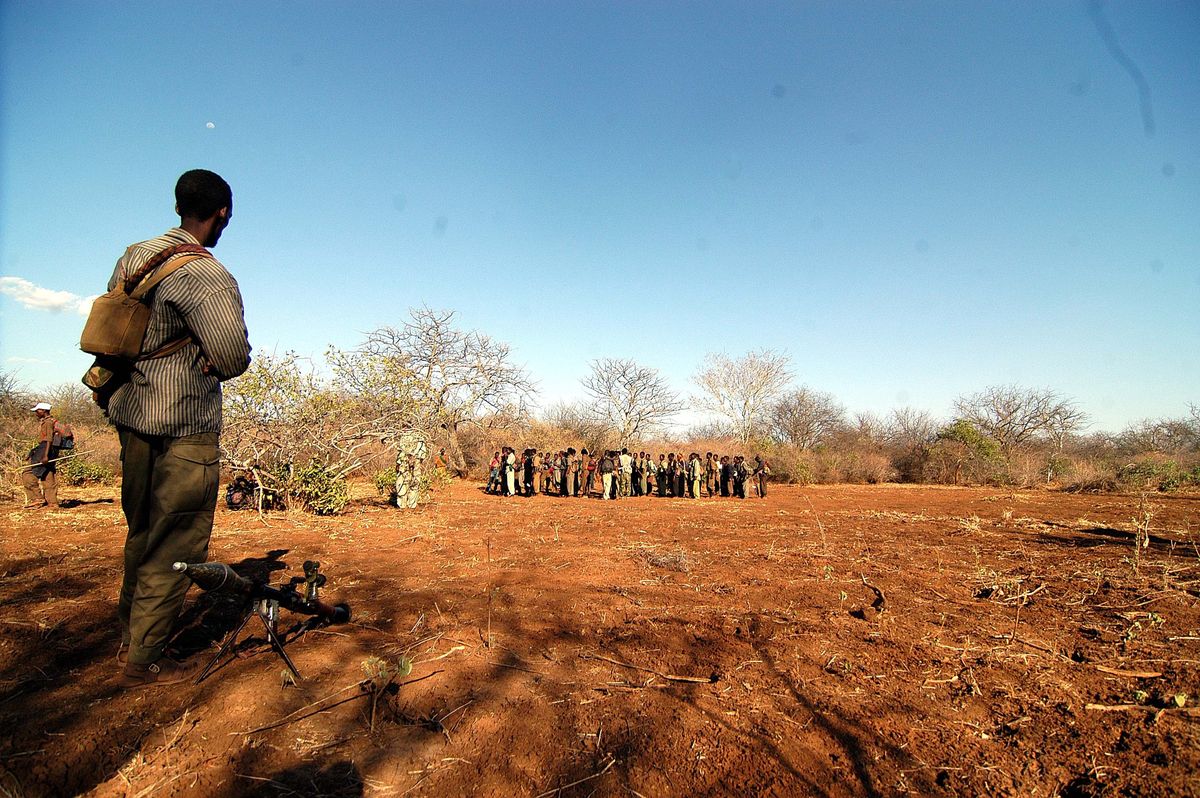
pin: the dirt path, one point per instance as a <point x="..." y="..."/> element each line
<point x="861" y="641"/>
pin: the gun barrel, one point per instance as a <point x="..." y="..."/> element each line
<point x="216" y="576"/>
<point x="297" y="603"/>
<point x="219" y="577"/>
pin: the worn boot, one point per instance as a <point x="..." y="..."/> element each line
<point x="161" y="672"/>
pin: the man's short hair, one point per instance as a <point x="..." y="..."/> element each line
<point x="201" y="193"/>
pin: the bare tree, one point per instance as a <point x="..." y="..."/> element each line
<point x="576" y="421"/>
<point x="869" y="427"/>
<point x="910" y="435"/>
<point x="711" y="430"/>
<point x="445" y="376"/>
<point x="740" y="389"/>
<point x="1014" y="416"/>
<point x="630" y="399"/>
<point x="805" y="418"/>
<point x="16" y="432"/>
<point x="73" y="403"/>
<point x="910" y="428"/>
<point x="1168" y="436"/>
<point x="14" y="398"/>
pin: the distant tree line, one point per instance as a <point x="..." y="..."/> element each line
<point x="302" y="428"/>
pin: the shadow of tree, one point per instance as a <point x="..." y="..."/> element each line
<point x="336" y="780"/>
<point x="70" y="727"/>
<point x="67" y="504"/>
<point x="81" y="743"/>
<point x="1101" y="536"/>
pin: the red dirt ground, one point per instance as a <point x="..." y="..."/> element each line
<point x="639" y="647"/>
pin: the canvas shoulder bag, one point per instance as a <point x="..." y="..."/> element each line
<point x="116" y="325"/>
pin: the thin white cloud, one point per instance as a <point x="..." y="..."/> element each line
<point x="35" y="297"/>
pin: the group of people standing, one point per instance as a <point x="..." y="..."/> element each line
<point x="620" y="474"/>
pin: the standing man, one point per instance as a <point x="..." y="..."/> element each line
<point x="529" y="470"/>
<point x="40" y="478"/>
<point x="510" y="471"/>
<point x="606" y="475"/>
<point x="761" y="472"/>
<point x="168" y="419"/>
<point x="538" y="481"/>
<point x="695" y="475"/>
<point x="560" y="470"/>
<point x="493" y="474"/>
<point x="574" y="463"/>
<point x="739" y="477"/>
<point x="589" y="471"/>
<point x="625" y="461"/>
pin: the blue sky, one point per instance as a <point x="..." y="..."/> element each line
<point x="913" y="200"/>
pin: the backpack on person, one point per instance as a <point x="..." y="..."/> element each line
<point x="63" y="438"/>
<point x="116" y="325"/>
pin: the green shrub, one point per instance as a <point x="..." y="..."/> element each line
<point x="78" y="471"/>
<point x="1155" y="473"/>
<point x="385" y="483"/>
<point x="318" y="489"/>
<point x="962" y="453"/>
<point x="790" y="466"/>
<point x="436" y="478"/>
<point x="431" y="479"/>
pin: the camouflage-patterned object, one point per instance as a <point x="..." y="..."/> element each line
<point x="411" y="452"/>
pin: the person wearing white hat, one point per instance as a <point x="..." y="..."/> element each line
<point x="39" y="479"/>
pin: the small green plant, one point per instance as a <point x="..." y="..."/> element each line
<point x="77" y="471"/>
<point x="381" y="679"/>
<point x="380" y="673"/>
<point x="437" y="478"/>
<point x="1157" y="474"/>
<point x="1141" y="530"/>
<point x="385" y="483"/>
<point x="1057" y="466"/>
<point x="318" y="489"/>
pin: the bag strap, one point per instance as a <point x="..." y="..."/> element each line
<point x="190" y="252"/>
<point x="163" y="272"/>
<point x="169" y="348"/>
<point x="158" y="260"/>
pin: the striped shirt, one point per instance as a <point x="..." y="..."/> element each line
<point x="172" y="395"/>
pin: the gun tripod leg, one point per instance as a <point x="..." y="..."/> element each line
<point x="229" y="641"/>
<point x="278" y="645"/>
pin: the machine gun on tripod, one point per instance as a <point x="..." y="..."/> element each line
<point x="264" y="601"/>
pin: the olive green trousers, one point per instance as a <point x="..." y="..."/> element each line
<point x="168" y="494"/>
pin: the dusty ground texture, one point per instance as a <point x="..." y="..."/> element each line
<point x="861" y="641"/>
